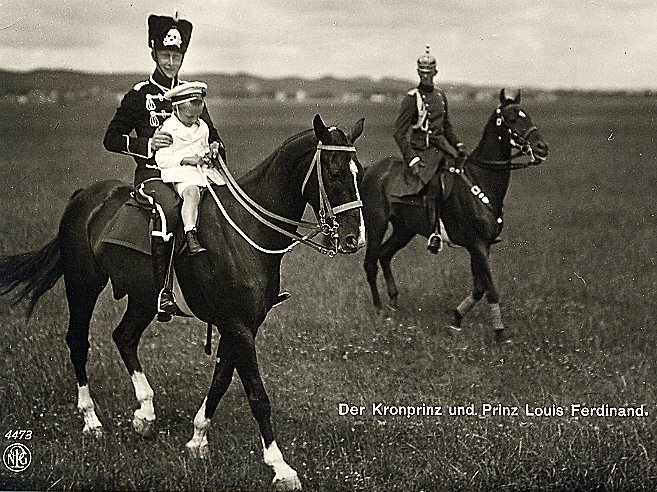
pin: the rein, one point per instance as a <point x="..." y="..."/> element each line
<point x="325" y="211"/>
<point x="517" y="141"/>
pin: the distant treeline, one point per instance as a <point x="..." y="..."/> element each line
<point x="52" y="86"/>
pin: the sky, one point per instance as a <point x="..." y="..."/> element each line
<point x="586" y="44"/>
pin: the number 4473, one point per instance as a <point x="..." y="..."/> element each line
<point x="17" y="435"/>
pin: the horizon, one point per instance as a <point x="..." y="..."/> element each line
<point x="602" y="45"/>
<point x="491" y="86"/>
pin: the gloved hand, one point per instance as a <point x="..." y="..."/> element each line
<point x="459" y="162"/>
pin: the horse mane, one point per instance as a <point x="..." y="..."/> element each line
<point x="285" y="146"/>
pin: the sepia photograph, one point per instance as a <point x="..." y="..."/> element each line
<point x="389" y="245"/>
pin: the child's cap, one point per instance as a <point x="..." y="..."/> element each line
<point x="186" y="92"/>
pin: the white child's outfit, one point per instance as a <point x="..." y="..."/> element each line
<point x="187" y="141"/>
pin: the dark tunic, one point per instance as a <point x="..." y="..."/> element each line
<point x="434" y="131"/>
<point x="143" y="109"/>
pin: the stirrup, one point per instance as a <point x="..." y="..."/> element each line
<point x="435" y="243"/>
<point x="166" y="305"/>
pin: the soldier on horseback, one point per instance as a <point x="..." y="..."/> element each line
<point x="427" y="141"/>
<point x="143" y="110"/>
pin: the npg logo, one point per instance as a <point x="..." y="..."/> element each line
<point x="17" y="457"/>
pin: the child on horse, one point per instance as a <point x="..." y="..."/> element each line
<point x="184" y="162"/>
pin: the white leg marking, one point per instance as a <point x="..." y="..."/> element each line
<point x="199" y="442"/>
<point x="466" y="305"/>
<point x="144" y="394"/>
<point x="87" y="408"/>
<point x="496" y="317"/>
<point x="284" y="475"/>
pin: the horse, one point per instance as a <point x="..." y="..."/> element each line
<point x="246" y="229"/>
<point x="471" y="212"/>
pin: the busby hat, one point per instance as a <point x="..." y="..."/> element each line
<point x="186" y="92"/>
<point x="169" y="33"/>
<point x="426" y="62"/>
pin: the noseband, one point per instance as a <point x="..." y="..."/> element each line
<point x="326" y="211"/>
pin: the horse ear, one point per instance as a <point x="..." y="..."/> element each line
<point x="502" y="97"/>
<point x="357" y="130"/>
<point x="321" y="131"/>
<point x="517" y="98"/>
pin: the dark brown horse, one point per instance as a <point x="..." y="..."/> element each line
<point x="232" y="286"/>
<point x="471" y="212"/>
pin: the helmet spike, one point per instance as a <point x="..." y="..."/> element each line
<point x="426" y="62"/>
<point x="175" y="15"/>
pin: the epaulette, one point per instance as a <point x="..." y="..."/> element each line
<point x="413" y="91"/>
<point x="139" y="85"/>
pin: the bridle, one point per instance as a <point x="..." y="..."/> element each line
<point x="326" y="213"/>
<point x="519" y="142"/>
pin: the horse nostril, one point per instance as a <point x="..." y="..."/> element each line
<point x="542" y="147"/>
<point x="351" y="241"/>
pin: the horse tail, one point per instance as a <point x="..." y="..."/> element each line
<point x="30" y="275"/>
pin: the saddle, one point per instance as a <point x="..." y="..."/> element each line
<point x="409" y="189"/>
<point x="131" y="228"/>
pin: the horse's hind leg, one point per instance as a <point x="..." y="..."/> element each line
<point x="400" y="237"/>
<point x="82" y="292"/>
<point x="126" y="336"/>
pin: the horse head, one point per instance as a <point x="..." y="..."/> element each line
<point x="334" y="194"/>
<point x="514" y="129"/>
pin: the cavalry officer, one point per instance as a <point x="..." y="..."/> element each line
<point x="426" y="138"/>
<point x="142" y="110"/>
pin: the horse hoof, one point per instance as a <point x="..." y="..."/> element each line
<point x="198" y="452"/>
<point x="288" y="483"/>
<point x="145" y="428"/>
<point x="93" y="432"/>
<point x="501" y="337"/>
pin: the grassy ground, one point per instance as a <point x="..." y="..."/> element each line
<point x="577" y="278"/>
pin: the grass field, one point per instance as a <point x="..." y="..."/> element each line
<point x="578" y="281"/>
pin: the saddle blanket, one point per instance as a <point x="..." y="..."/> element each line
<point x="130" y="227"/>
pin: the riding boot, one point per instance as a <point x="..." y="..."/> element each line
<point x="162" y="251"/>
<point x="434" y="244"/>
<point x="193" y="244"/>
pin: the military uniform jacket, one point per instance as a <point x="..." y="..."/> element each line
<point x="144" y="109"/>
<point x="423" y="122"/>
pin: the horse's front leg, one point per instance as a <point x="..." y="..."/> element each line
<point x="243" y="345"/>
<point x="484" y="283"/>
<point x="126" y="336"/>
<point x="223" y="374"/>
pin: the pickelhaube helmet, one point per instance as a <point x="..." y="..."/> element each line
<point x="169" y="33"/>
<point x="426" y="62"/>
